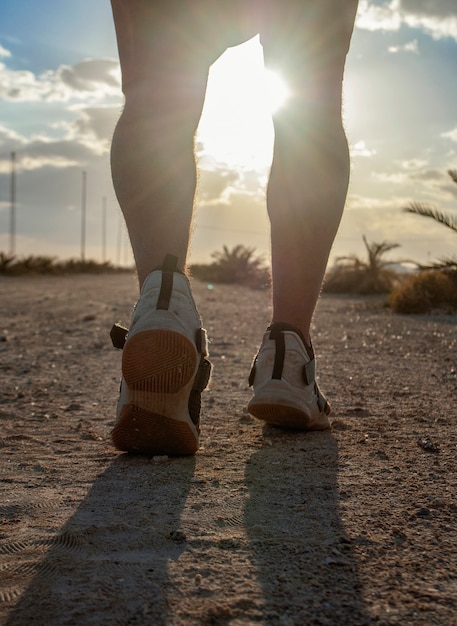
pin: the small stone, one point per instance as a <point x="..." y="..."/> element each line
<point x="428" y="445"/>
<point x="178" y="536"/>
<point x="73" y="406"/>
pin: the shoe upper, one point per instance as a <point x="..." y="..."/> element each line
<point x="166" y="302"/>
<point x="283" y="372"/>
<point x="166" y="299"/>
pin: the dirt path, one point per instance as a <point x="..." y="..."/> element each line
<point x="353" y="526"/>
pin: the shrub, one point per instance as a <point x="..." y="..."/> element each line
<point x="351" y="274"/>
<point x="6" y="260"/>
<point x="237" y="265"/>
<point x="35" y="265"/>
<point x="361" y="281"/>
<point x="17" y="266"/>
<point x="426" y="292"/>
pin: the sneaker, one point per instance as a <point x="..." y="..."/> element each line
<point x="283" y="377"/>
<point x="164" y="369"/>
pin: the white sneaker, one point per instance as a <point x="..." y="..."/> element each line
<point x="164" y="369"/>
<point x="283" y="378"/>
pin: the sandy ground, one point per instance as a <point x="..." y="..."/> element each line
<point x="357" y="525"/>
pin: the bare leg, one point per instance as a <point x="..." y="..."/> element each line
<point x="152" y="157"/>
<point x="310" y="170"/>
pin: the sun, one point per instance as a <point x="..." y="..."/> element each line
<point x="242" y="96"/>
<point x="276" y="92"/>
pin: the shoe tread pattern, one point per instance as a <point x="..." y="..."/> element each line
<point x="158" y="361"/>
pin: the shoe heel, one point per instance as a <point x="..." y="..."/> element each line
<point x="139" y="431"/>
<point x="159" y="361"/>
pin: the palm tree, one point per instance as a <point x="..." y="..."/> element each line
<point x="351" y="274"/>
<point x="238" y="265"/>
<point x="6" y="260"/>
<point x="450" y="221"/>
<point x="435" y="287"/>
<point x="375" y="262"/>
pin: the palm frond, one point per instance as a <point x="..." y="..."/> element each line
<point x="453" y="175"/>
<point x="421" y="208"/>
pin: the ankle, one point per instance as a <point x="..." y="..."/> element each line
<point x="306" y="339"/>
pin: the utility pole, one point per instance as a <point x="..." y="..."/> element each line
<point x="13" y="205"/>
<point x="83" y="216"/>
<point x="104" y="229"/>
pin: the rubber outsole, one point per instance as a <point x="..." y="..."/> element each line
<point x="287" y="417"/>
<point x="141" y="432"/>
<point x="159" y="367"/>
<point x="158" y="361"/>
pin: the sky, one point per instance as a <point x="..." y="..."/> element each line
<point x="60" y="98"/>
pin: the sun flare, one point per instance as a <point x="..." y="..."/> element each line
<point x="242" y="95"/>
<point x="276" y="91"/>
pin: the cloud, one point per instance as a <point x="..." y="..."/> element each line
<point x="411" y="46"/>
<point x="379" y="16"/>
<point x="90" y="74"/>
<point x="4" y="53"/>
<point x="359" y="149"/>
<point x="86" y="138"/>
<point x="438" y="19"/>
<point x="367" y="203"/>
<point x="396" y="178"/>
<point x="9" y="136"/>
<point x="450" y="191"/>
<point x="220" y="185"/>
<point x="93" y="127"/>
<point x="90" y="80"/>
<point x="451" y="134"/>
<point x="42" y="152"/>
<point x="437" y="27"/>
<point x="412" y="164"/>
<point x="433" y="8"/>
<point x="430" y="184"/>
<point x="428" y="176"/>
<point x="214" y="186"/>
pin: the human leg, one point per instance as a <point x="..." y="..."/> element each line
<point x="165" y="49"/>
<point x="152" y="155"/>
<point x="310" y="170"/>
<point x="305" y="200"/>
<point x="164" y="370"/>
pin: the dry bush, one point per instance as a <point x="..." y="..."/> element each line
<point x="372" y="275"/>
<point x="359" y="281"/>
<point x="19" y="266"/>
<point x="238" y="265"/>
<point x="426" y="292"/>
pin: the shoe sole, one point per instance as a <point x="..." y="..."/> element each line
<point x="287" y="417"/>
<point x="159" y="367"/>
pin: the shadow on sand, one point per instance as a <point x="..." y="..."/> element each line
<point x="110" y="563"/>
<point x="304" y="558"/>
